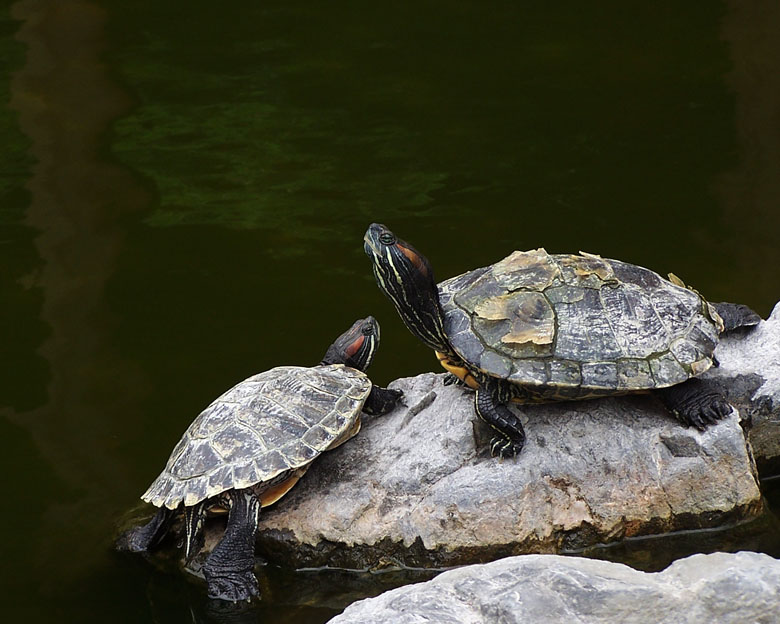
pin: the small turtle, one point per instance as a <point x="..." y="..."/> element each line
<point x="538" y="327"/>
<point x="250" y="446"/>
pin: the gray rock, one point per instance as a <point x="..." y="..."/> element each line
<point x="417" y="487"/>
<point x="723" y="588"/>
<point x="749" y="373"/>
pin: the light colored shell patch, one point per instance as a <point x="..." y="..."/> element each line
<point x="530" y="316"/>
<point x="526" y="269"/>
<point x="586" y="270"/>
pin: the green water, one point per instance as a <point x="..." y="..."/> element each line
<point x="185" y="188"/>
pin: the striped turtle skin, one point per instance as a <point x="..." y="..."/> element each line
<point x="264" y="429"/>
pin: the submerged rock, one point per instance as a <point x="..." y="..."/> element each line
<point x="417" y="487"/>
<point x="723" y="588"/>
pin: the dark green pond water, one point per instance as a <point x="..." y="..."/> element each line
<point x="185" y="187"/>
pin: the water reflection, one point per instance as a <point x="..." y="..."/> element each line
<point x="66" y="100"/>
<point x="302" y="597"/>
<point x="750" y="193"/>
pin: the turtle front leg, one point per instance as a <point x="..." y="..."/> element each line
<point x="511" y="436"/>
<point x="146" y="537"/>
<point x="451" y="379"/>
<point x="695" y="403"/>
<point x="381" y="400"/>
<point x="229" y="569"/>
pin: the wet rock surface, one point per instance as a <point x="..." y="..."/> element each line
<point x="720" y="587"/>
<point x="417" y="487"/>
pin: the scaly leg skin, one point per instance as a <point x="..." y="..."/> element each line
<point x="695" y="403"/>
<point x="229" y="569"/>
<point x="381" y="401"/>
<point x="146" y="537"/>
<point x="511" y="436"/>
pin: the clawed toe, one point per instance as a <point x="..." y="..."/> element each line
<point x="705" y="414"/>
<point x="696" y="404"/>
<point x="453" y="380"/>
<point x="504" y="447"/>
<point x="233" y="587"/>
<point x="724" y="409"/>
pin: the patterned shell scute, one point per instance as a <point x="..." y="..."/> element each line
<point x="270" y="423"/>
<point x="577" y="325"/>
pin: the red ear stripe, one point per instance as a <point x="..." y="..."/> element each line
<point x="355" y="346"/>
<point x="414" y="258"/>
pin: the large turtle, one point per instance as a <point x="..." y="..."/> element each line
<point x="539" y="327"/>
<point x="251" y="445"/>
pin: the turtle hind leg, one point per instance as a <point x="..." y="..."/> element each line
<point x="511" y="436"/>
<point x="229" y="569"/>
<point x="147" y="536"/>
<point x="695" y="403"/>
<point x="736" y="315"/>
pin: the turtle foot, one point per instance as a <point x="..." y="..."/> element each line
<point x="706" y="411"/>
<point x="143" y="538"/>
<point x="133" y="541"/>
<point x="451" y="379"/>
<point x="695" y="404"/>
<point x="232" y="586"/>
<point x="504" y="447"/>
<point x="382" y="400"/>
<point x="496" y="414"/>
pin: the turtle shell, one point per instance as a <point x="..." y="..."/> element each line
<point x="573" y="326"/>
<point x="267" y="426"/>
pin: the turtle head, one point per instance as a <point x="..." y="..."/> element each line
<point x="356" y="346"/>
<point x="406" y="277"/>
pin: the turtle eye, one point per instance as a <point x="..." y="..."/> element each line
<point x="367" y="330"/>
<point x="386" y="238"/>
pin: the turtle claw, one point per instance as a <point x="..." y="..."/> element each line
<point x="504" y="447"/>
<point x="232" y="586"/>
<point x="512" y="437"/>
<point x="708" y="410"/>
<point x="695" y="403"/>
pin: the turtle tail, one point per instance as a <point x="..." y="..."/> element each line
<point x="736" y="315"/>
